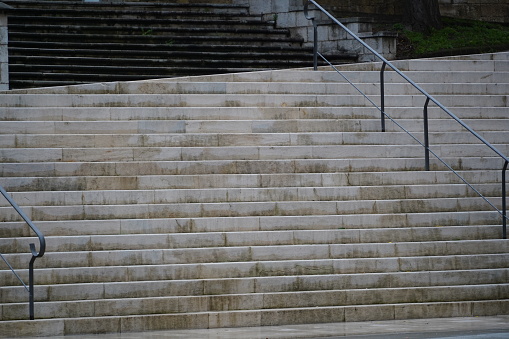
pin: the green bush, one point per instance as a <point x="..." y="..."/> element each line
<point x="458" y="34"/>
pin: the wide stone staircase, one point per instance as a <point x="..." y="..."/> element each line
<point x="251" y="199"/>
<point x="70" y="42"/>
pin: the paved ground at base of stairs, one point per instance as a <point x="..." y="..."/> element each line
<point x="496" y="327"/>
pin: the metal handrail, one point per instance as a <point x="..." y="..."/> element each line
<point x="35" y="254"/>
<point x="429" y="98"/>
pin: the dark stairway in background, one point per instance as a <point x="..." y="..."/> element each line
<point x="70" y="42"/>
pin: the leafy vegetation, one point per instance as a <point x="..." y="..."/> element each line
<point x="456" y="35"/>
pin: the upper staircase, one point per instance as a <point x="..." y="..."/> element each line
<point x="251" y="199"/>
<point x="70" y="42"/>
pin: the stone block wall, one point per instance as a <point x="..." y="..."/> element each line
<point x="4" y="56"/>
<point x="332" y="38"/>
<point x="486" y="10"/>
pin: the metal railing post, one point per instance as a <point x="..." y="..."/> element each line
<point x="31" y="288"/>
<point x="504" y="203"/>
<point x="426" y="135"/>
<point x="315" y="45"/>
<point x="382" y="95"/>
<point x="315" y="35"/>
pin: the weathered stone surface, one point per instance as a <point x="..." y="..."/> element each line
<point x="261" y="214"/>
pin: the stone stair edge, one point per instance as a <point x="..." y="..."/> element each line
<point x="120" y="114"/>
<point x="196" y="227"/>
<point x="73" y="139"/>
<point x="241" y="196"/>
<point x="25" y="195"/>
<point x="255" y="87"/>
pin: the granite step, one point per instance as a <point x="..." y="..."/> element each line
<point x="162" y="114"/>
<point x="208" y="87"/>
<point x="204" y="139"/>
<point x="239" y="100"/>
<point x="215" y="195"/>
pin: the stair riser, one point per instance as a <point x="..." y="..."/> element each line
<point x="373" y="77"/>
<point x="164" y="42"/>
<point x="183" y="47"/>
<point x="258" y="253"/>
<point x="291" y="132"/>
<point x="301" y="88"/>
<point x="162" y="114"/>
<point x="219" y="195"/>
<point x="220" y="6"/>
<point x="240" y="100"/>
<point x="259" y="269"/>
<point x="42" y="55"/>
<point x="230" y="140"/>
<point x="155" y="66"/>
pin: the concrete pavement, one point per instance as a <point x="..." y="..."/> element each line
<point x="496" y="327"/>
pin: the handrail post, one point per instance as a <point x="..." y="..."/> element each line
<point x="315" y="45"/>
<point x="382" y="95"/>
<point x="426" y="135"/>
<point x="31" y="288"/>
<point x="315" y="35"/>
<point x="504" y="203"/>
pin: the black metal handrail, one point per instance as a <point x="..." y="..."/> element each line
<point x="429" y="98"/>
<point x="33" y="250"/>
